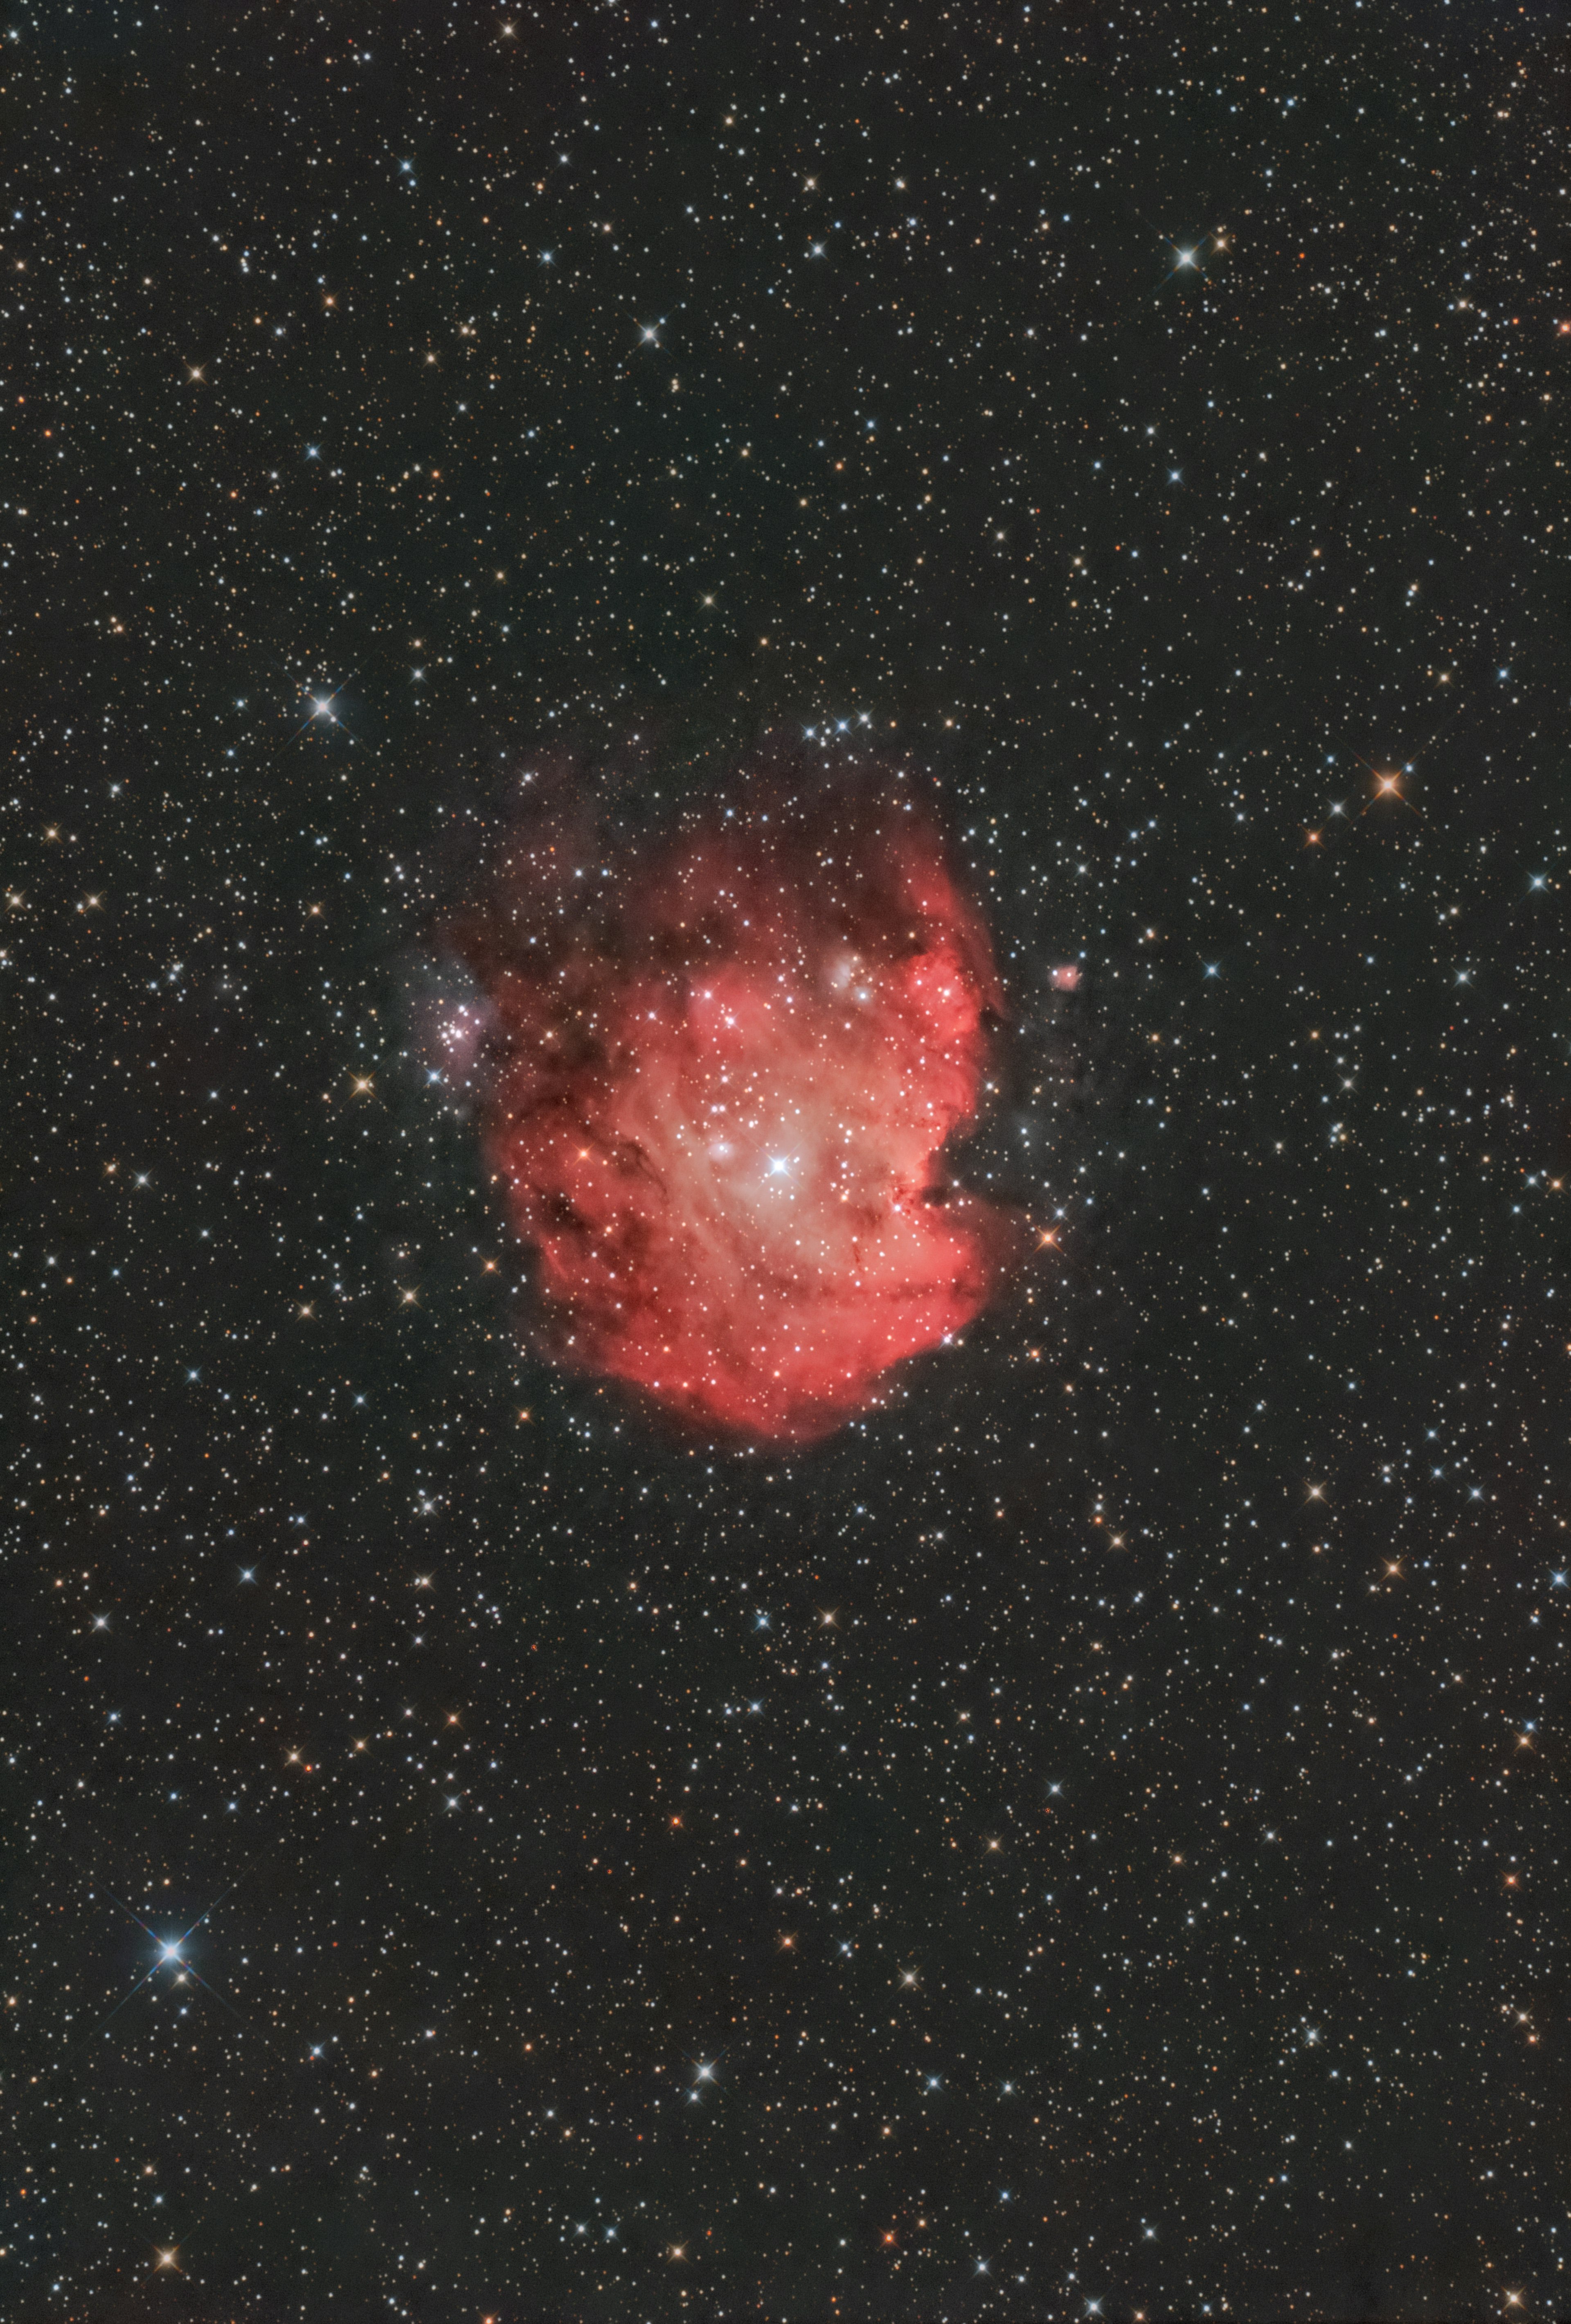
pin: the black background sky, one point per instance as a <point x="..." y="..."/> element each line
<point x="1090" y="1833"/>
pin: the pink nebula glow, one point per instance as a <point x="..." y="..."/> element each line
<point x="725" y="1080"/>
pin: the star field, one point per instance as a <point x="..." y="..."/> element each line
<point x="1081" y="1840"/>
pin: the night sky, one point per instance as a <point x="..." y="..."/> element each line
<point x="1081" y="1837"/>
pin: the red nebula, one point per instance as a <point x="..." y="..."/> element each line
<point x="725" y="1079"/>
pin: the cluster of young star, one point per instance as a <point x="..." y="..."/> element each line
<point x="1080" y="1839"/>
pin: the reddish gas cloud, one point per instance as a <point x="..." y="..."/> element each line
<point x="725" y="1076"/>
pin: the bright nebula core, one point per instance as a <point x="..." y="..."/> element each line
<point x="725" y="1076"/>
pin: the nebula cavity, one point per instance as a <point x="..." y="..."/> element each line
<point x="725" y="1072"/>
